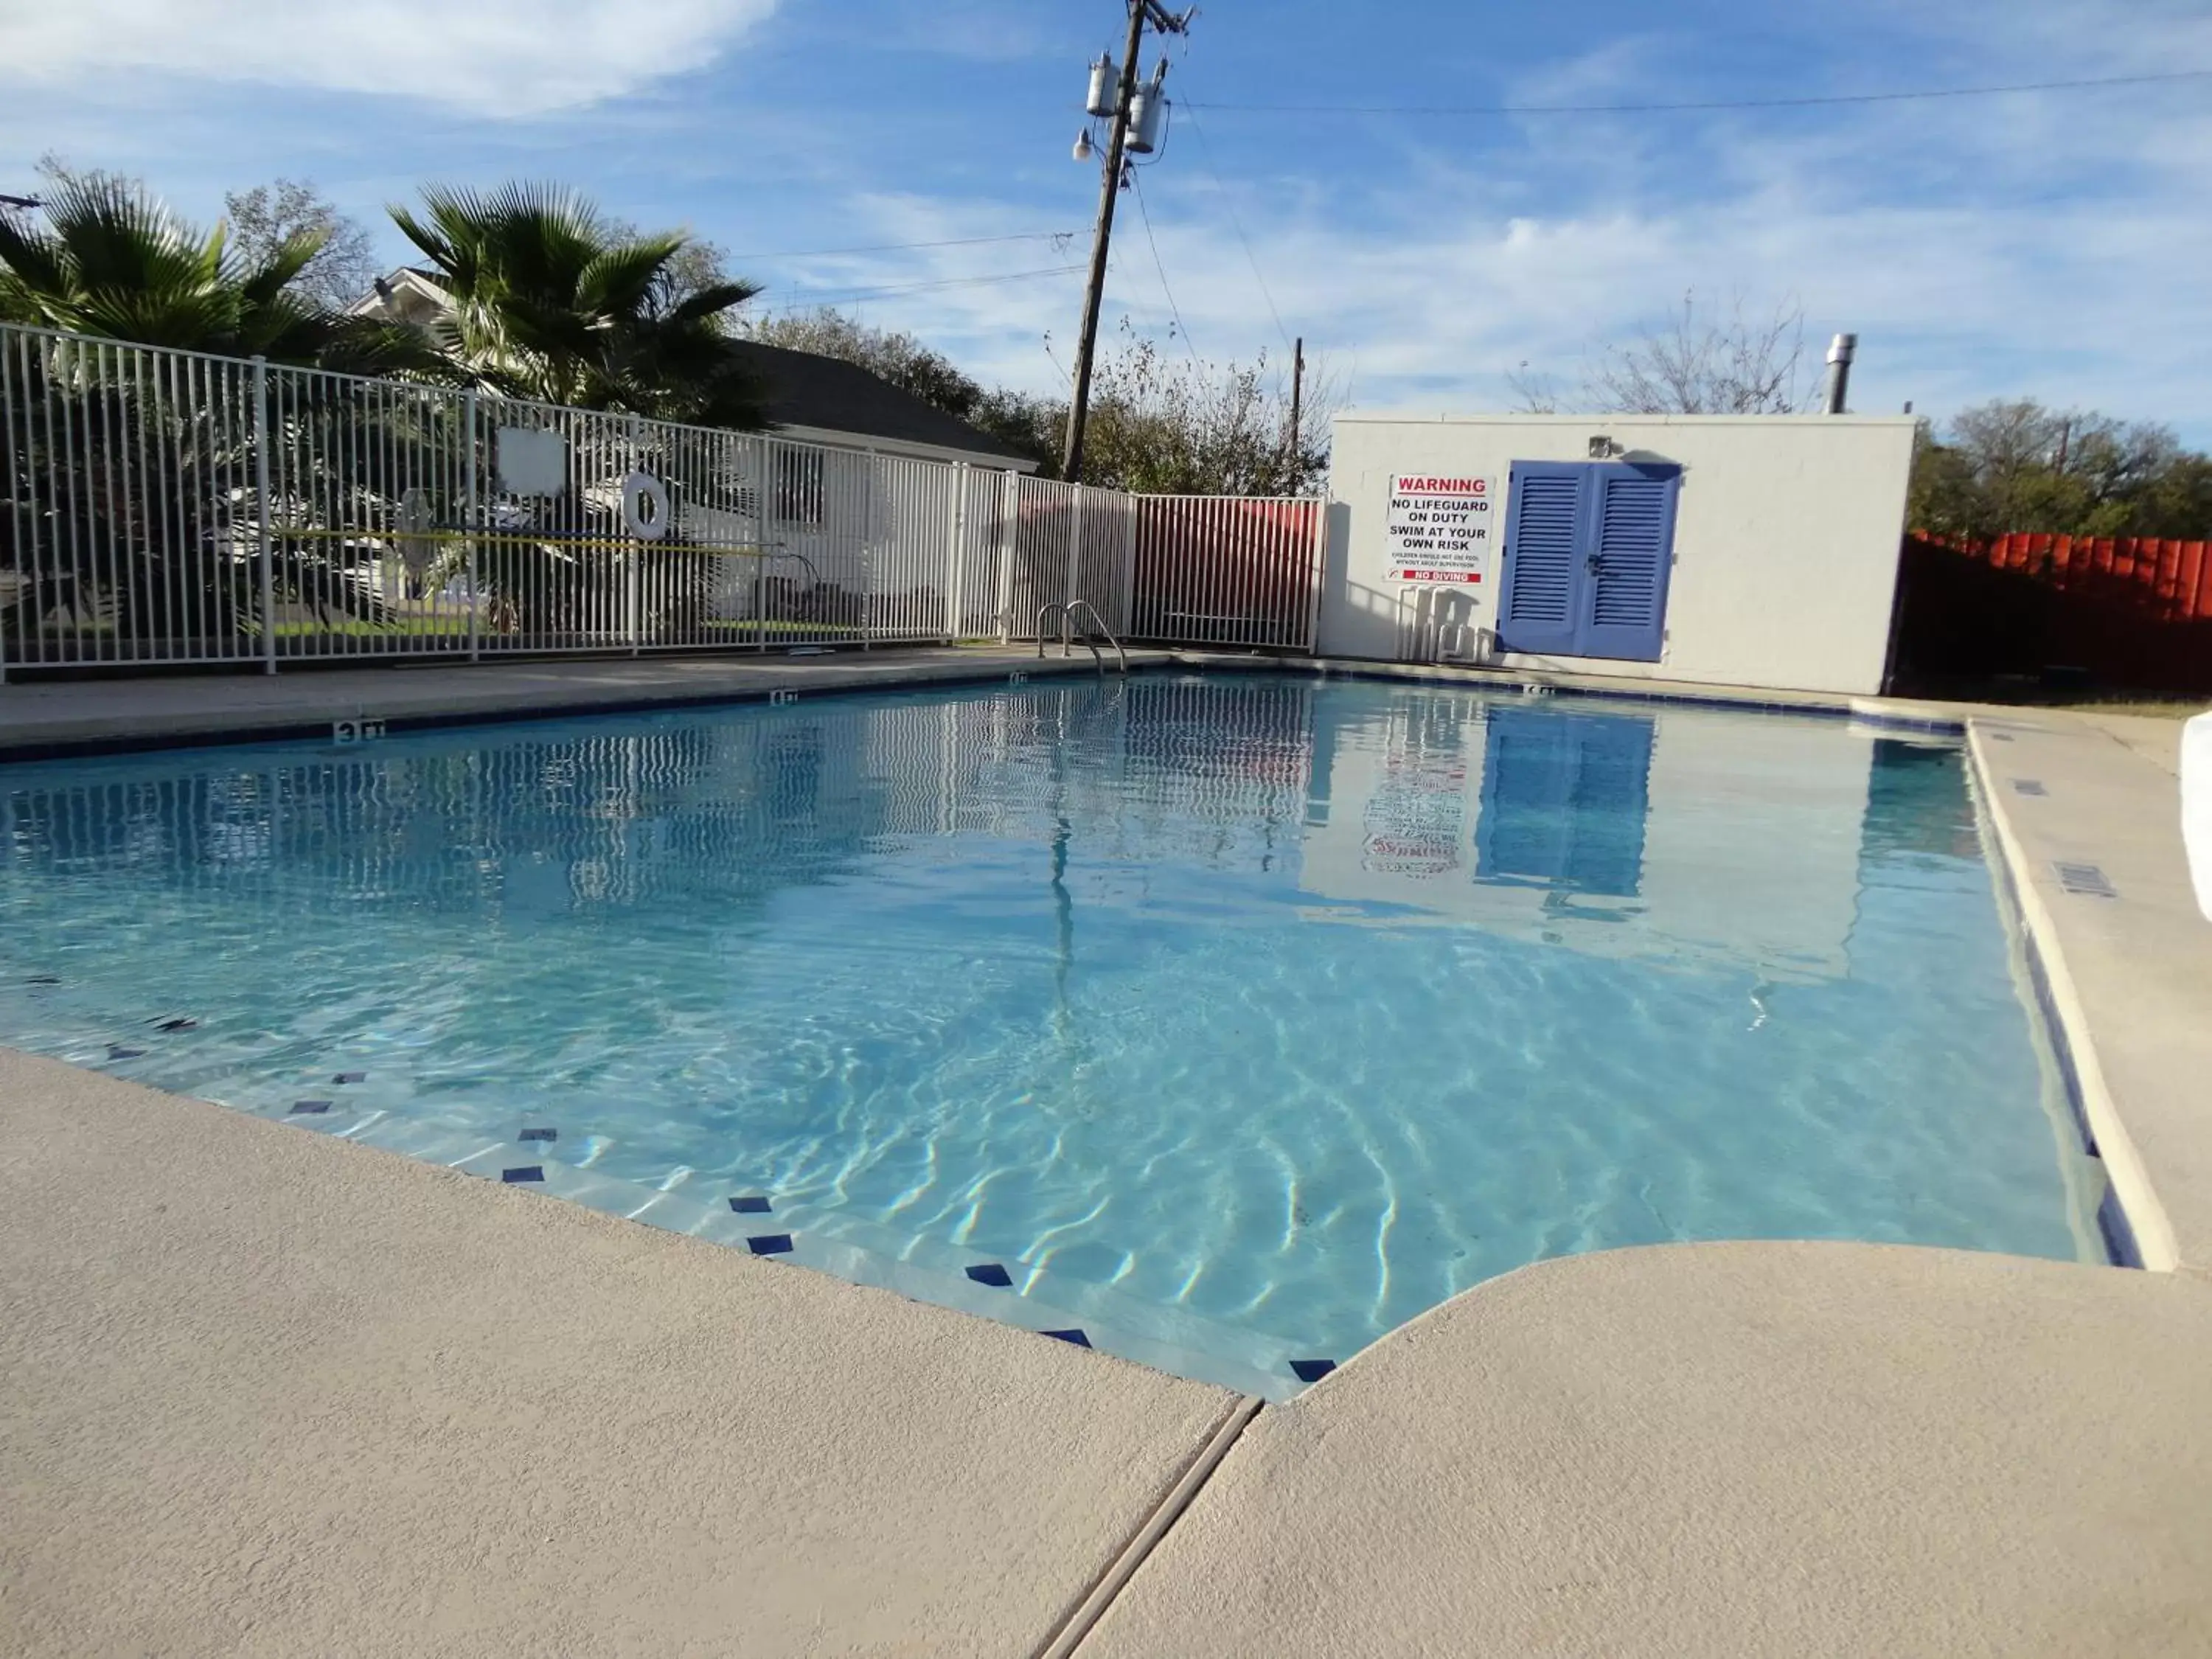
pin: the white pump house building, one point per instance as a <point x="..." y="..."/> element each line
<point x="1750" y="550"/>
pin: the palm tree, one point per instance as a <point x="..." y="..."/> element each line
<point x="113" y="261"/>
<point x="551" y="301"/>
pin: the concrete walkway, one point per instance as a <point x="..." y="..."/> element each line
<point x="264" y="1392"/>
<point x="43" y="716"/>
<point x="39" y="716"/>
<point x="1724" y="1450"/>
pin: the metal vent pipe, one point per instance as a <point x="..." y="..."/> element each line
<point x="1841" y="350"/>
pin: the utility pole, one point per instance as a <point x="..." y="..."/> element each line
<point x="1298" y="388"/>
<point x="1078" y="408"/>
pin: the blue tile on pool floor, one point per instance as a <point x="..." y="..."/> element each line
<point x="527" y="1172"/>
<point x="753" y="1204"/>
<point x="770" y="1243"/>
<point x="1073" y="1333"/>
<point x="539" y="1134"/>
<point x="310" y="1107"/>
<point x="1311" y="1371"/>
<point x="991" y="1273"/>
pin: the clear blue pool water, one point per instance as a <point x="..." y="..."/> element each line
<point x="1247" y="1016"/>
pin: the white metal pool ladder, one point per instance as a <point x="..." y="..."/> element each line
<point x="1067" y="610"/>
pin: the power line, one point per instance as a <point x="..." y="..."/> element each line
<point x="1145" y="213"/>
<point x="842" y="295"/>
<point x="901" y="248"/>
<point x="1706" y="104"/>
<point x="1205" y="150"/>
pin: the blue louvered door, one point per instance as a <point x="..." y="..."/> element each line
<point x="1540" y="602"/>
<point x="1588" y="548"/>
<point x="1630" y="544"/>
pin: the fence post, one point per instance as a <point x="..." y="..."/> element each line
<point x="630" y="556"/>
<point x="871" y="550"/>
<point x="1312" y="641"/>
<point x="760" y="522"/>
<point x="468" y="520"/>
<point x="1074" y="541"/>
<point x="265" y="552"/>
<point x="1009" y="518"/>
<point x="1127" y="619"/>
<point x="634" y="460"/>
<point x="956" y="562"/>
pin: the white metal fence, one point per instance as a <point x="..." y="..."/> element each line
<point x="165" y="507"/>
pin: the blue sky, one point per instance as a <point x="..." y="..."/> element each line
<point x="2053" y="244"/>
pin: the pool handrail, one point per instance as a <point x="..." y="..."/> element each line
<point x="1068" y="608"/>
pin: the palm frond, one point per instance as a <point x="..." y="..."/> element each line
<point x="114" y="235"/>
<point x="193" y="319"/>
<point x="713" y="300"/>
<point x="619" y="279"/>
<point x="35" y="260"/>
<point x="262" y="283"/>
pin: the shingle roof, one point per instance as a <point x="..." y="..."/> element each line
<point x="805" y="389"/>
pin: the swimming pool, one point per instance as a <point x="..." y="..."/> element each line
<point x="1229" y="1022"/>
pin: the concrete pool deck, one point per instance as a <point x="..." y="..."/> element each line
<point x="39" y="716"/>
<point x="50" y="716"/>
<point x="268" y="1392"/>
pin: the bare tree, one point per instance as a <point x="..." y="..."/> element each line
<point x="55" y="172"/>
<point x="1168" y="425"/>
<point x="1535" y="391"/>
<point x="1691" y="365"/>
<point x="263" y="218"/>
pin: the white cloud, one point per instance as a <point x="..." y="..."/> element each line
<point x="2051" y="246"/>
<point x="1980" y="249"/>
<point x="499" y="58"/>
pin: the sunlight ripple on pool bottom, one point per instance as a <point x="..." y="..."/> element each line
<point x="1290" y="1008"/>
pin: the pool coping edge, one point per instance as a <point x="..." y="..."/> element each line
<point x="849" y="674"/>
<point x="2137" y="1230"/>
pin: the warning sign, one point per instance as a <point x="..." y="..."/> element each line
<point x="1438" y="528"/>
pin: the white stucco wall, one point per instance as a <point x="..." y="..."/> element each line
<point x="1785" y="543"/>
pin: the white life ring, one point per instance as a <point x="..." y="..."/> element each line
<point x="645" y="507"/>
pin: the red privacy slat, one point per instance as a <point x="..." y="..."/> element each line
<point x="2163" y="576"/>
<point x="2193" y="596"/>
<point x="2167" y="578"/>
